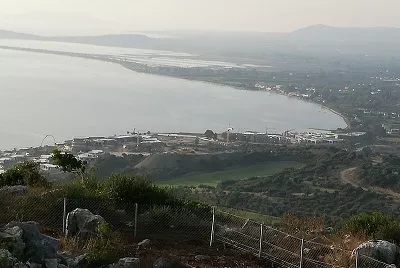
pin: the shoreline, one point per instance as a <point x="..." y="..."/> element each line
<point x="108" y="59"/>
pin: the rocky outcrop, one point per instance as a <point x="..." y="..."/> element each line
<point x="82" y="221"/>
<point x="35" y="246"/>
<point x="380" y="250"/>
<point x="6" y="259"/>
<point x="72" y="262"/>
<point x="11" y="240"/>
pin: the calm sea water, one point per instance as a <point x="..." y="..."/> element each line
<point x="68" y="97"/>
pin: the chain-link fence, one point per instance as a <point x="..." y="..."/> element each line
<point x="282" y="248"/>
<point x="173" y="223"/>
<point x="179" y="224"/>
<point x="368" y="262"/>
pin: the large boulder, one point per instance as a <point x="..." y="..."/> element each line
<point x="7" y="260"/>
<point x="82" y="221"/>
<point x="73" y="262"/>
<point x="38" y="247"/>
<point x="11" y="240"/>
<point x="380" y="250"/>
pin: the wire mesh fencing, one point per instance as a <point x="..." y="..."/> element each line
<point x="45" y="209"/>
<point x="258" y="239"/>
<point x="173" y="223"/>
<point x="282" y="248"/>
<point x="237" y="232"/>
<point x="363" y="261"/>
<point x="325" y="255"/>
<point x="180" y="223"/>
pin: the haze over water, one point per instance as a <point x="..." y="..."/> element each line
<point x="68" y="97"/>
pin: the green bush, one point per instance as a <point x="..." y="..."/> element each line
<point x="128" y="190"/>
<point x="89" y="188"/>
<point x="27" y="173"/>
<point x="104" y="249"/>
<point x="375" y="225"/>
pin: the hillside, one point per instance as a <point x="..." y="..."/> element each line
<point x="171" y="228"/>
<point x="121" y="40"/>
<point x="169" y="167"/>
<point x="336" y="185"/>
<point x="328" y="33"/>
<point x="14" y="35"/>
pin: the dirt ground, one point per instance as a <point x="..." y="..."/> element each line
<point x="201" y="255"/>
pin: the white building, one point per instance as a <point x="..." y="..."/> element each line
<point x="48" y="167"/>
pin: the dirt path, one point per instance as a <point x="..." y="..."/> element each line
<point x="350" y="176"/>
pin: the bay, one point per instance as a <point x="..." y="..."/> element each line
<point x="67" y="97"/>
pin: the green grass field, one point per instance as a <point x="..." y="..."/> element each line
<point x="214" y="178"/>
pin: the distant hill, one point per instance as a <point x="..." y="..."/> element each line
<point x="14" y="35"/>
<point x="374" y="41"/>
<point x="314" y="41"/>
<point x="324" y="32"/>
<point x="119" y="40"/>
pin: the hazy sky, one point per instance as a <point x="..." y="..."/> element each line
<point x="95" y="16"/>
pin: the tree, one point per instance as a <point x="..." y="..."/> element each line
<point x="69" y="163"/>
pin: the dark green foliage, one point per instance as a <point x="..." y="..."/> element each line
<point x="368" y="224"/>
<point x="68" y="162"/>
<point x="385" y="174"/>
<point x="27" y="173"/>
<point x="376" y="225"/>
<point x="129" y="190"/>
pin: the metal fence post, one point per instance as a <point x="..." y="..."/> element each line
<point x="261" y="240"/>
<point x="65" y="216"/>
<point x="136" y="219"/>
<point x="212" y="227"/>
<point x="356" y="259"/>
<point x="301" y="253"/>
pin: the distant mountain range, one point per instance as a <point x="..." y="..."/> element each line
<point x="323" y="33"/>
<point x="14" y="35"/>
<point x="313" y="39"/>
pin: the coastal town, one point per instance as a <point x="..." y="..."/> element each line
<point x="92" y="148"/>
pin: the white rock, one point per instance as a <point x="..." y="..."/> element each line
<point x="144" y="243"/>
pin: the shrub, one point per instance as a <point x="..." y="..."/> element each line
<point x="368" y="224"/>
<point x="375" y="225"/>
<point x="104" y="249"/>
<point x="128" y="190"/>
<point x="89" y="188"/>
<point x="27" y="173"/>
